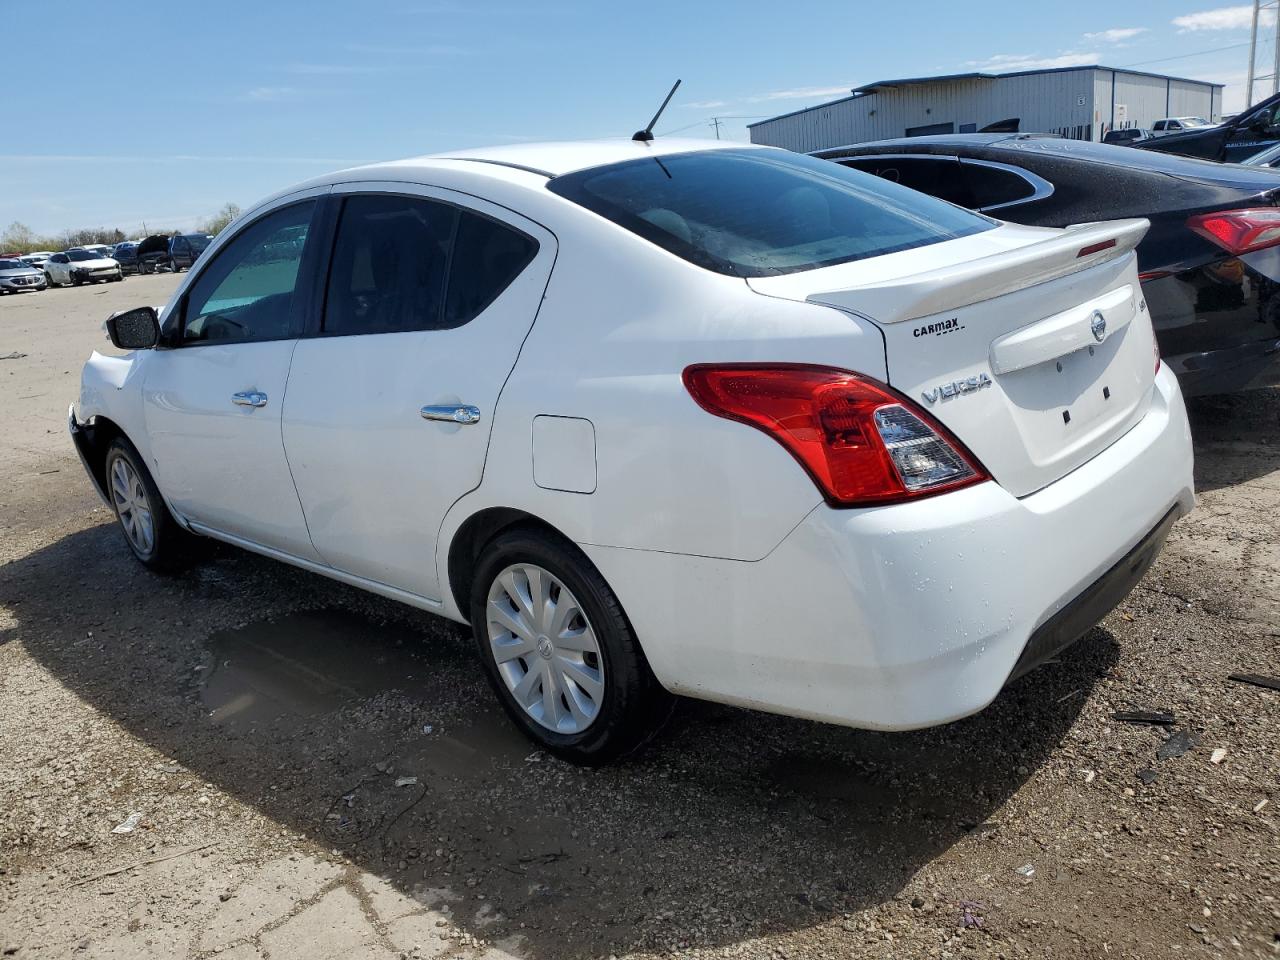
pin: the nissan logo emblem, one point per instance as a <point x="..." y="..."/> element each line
<point x="1098" y="324"/>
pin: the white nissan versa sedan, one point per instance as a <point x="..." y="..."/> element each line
<point x="683" y="417"/>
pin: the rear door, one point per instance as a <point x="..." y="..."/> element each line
<point x="429" y="297"/>
<point x="213" y="399"/>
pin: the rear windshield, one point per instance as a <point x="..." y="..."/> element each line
<point x="758" y="213"/>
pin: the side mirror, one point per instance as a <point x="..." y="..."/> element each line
<point x="136" y="329"/>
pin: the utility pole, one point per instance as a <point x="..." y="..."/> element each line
<point x="715" y="122"/>
<point x="1258" y="7"/>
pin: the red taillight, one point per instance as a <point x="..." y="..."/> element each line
<point x="1096" y="248"/>
<point x="862" y="443"/>
<point x="1239" y="231"/>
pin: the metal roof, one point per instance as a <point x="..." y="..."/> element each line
<point x="872" y="88"/>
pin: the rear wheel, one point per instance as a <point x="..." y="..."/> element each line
<point x="559" y="651"/>
<point x="48" y="280"/>
<point x="150" y="531"/>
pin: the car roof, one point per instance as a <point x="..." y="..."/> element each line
<point x="554" y="158"/>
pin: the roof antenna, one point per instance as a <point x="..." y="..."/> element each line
<point x="645" y="135"/>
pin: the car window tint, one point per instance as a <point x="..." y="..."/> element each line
<point x="389" y="265"/>
<point x="247" y="292"/>
<point x="487" y="256"/>
<point x="758" y="213"/>
<point x="939" y="177"/>
<point x="992" y="185"/>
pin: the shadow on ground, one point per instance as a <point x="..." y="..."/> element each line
<point x="309" y="701"/>
<point x="1236" y="436"/>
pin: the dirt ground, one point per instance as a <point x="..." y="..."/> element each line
<point x="265" y="726"/>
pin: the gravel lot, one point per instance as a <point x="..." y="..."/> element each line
<point x="263" y="721"/>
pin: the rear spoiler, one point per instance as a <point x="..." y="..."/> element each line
<point x="924" y="294"/>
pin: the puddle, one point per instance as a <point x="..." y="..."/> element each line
<point x="308" y="664"/>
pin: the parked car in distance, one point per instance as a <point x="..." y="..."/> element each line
<point x="101" y="249"/>
<point x="1171" y="125"/>
<point x="1210" y="262"/>
<point x="153" y="253"/>
<point x="19" y="277"/>
<point x="1127" y="137"/>
<point x="185" y="249"/>
<point x="126" y="254"/>
<point x="1230" y="141"/>
<point x="864" y="458"/>
<point x="37" y="258"/>
<point x="77" y="266"/>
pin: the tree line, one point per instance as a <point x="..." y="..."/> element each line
<point x="20" y="238"/>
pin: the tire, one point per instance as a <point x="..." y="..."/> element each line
<point x="173" y="265"/>
<point x="76" y="281"/>
<point x="48" y="279"/>
<point x="625" y="706"/>
<point x="140" y="509"/>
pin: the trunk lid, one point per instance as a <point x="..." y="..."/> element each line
<point x="1032" y="345"/>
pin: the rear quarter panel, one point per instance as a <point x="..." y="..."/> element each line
<point x="620" y="322"/>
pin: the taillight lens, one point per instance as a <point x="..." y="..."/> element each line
<point x="862" y="443"/>
<point x="1239" y="231"/>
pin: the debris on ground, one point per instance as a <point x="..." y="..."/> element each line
<point x="1177" y="744"/>
<point x="428" y="729"/>
<point x="1256" y="679"/>
<point x="130" y="824"/>
<point x="1147" y="775"/>
<point x="1157" y="718"/>
<point x="13" y="356"/>
<point x="1090" y="775"/>
<point x="1026" y="870"/>
<point x="970" y="915"/>
<point x="406" y="781"/>
<point x="1219" y="754"/>
<point x="1261" y="805"/>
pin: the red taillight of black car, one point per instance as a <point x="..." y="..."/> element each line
<point x="1239" y="231"/>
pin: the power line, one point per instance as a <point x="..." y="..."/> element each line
<point x="1184" y="56"/>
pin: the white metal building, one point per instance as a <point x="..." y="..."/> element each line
<point x="1079" y="102"/>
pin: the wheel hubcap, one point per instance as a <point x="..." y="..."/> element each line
<point x="133" y="507"/>
<point x="545" y="648"/>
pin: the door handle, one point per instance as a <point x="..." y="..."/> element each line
<point x="249" y="398"/>
<point x="452" y="413"/>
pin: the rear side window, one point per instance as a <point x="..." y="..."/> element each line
<point x="407" y="263"/>
<point x="757" y="213"/>
<point x="389" y="265"/>
<point x="487" y="256"/>
<point x="992" y="186"/>
<point x="939" y="177"/>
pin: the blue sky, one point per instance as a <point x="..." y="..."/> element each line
<point x="163" y="112"/>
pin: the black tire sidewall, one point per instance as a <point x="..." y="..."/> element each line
<point x="163" y="555"/>
<point x="624" y="721"/>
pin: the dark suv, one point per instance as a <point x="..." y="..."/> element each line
<point x="185" y="249"/>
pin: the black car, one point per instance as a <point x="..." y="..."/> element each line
<point x="1209" y="265"/>
<point x="1230" y="141"/>
<point x="126" y="254"/>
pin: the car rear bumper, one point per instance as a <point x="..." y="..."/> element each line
<point x="1248" y="366"/>
<point x="915" y="614"/>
